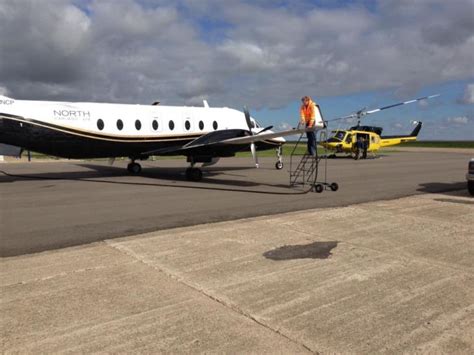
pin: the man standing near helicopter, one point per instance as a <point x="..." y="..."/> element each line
<point x="307" y="115"/>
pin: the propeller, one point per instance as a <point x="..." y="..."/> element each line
<point x="253" y="149"/>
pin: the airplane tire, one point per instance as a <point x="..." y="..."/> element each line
<point x="278" y="165"/>
<point x="134" y="168"/>
<point x="318" y="188"/>
<point x="334" y="186"/>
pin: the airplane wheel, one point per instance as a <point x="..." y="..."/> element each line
<point x="278" y="165"/>
<point x="134" y="168"/>
<point x="193" y="174"/>
<point x="318" y="188"/>
<point x="334" y="186"/>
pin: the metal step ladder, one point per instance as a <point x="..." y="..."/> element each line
<point x="304" y="168"/>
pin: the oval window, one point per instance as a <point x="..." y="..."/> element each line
<point x="138" y="125"/>
<point x="154" y="124"/>
<point x="201" y="125"/>
<point x="214" y="125"/>
<point x="171" y="125"/>
<point x="119" y="124"/>
<point x="100" y="124"/>
<point x="187" y="125"/>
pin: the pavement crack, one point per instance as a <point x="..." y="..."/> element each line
<point x="60" y="274"/>
<point x="206" y="293"/>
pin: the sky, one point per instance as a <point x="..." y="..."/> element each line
<point x="264" y="54"/>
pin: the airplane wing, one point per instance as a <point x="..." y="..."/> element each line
<point x="227" y="137"/>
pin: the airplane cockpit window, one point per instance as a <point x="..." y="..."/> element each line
<point x="252" y="124"/>
<point x="171" y="125"/>
<point x="100" y="124"/>
<point x="138" y="125"/>
<point x="119" y="125"/>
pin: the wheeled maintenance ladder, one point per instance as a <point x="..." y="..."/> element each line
<point x="304" y="168"/>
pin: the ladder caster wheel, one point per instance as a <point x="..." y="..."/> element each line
<point x="318" y="188"/>
<point x="334" y="186"/>
<point x="278" y="165"/>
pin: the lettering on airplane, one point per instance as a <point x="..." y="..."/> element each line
<point x="6" y="102"/>
<point x="71" y="115"/>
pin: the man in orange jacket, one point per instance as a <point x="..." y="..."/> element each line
<point x="308" y="118"/>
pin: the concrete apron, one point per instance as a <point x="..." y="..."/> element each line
<point x="387" y="276"/>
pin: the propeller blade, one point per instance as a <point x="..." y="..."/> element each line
<point x="247" y="119"/>
<point x="253" y="149"/>
<point x="265" y="129"/>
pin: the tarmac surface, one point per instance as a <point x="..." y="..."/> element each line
<point x="381" y="277"/>
<point x="58" y="204"/>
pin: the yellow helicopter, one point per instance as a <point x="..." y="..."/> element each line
<point x="359" y="140"/>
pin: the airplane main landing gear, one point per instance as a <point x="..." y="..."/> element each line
<point x="279" y="163"/>
<point x="134" y="168"/>
<point x="193" y="174"/>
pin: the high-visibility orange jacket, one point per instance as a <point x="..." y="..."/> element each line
<point x="307" y="114"/>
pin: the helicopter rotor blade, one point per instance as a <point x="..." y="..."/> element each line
<point x="361" y="113"/>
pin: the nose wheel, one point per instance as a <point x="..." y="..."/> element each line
<point x="134" y="168"/>
<point x="279" y="163"/>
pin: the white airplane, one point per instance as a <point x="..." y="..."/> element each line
<point x="79" y="130"/>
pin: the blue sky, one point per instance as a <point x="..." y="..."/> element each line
<point x="264" y="54"/>
<point x="438" y="114"/>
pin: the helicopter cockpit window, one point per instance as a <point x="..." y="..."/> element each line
<point x="349" y="138"/>
<point x="340" y="135"/>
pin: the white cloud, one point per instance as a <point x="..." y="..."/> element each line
<point x="460" y="120"/>
<point x="232" y="52"/>
<point x="4" y="91"/>
<point x="468" y="97"/>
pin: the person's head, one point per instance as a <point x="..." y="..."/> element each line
<point x="305" y="100"/>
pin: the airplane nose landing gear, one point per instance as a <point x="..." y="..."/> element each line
<point x="279" y="163"/>
<point x="134" y="168"/>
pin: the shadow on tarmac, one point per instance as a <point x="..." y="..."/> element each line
<point x="451" y="189"/>
<point x="316" y="250"/>
<point x="171" y="174"/>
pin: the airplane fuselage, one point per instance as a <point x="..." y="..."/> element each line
<point x="97" y="130"/>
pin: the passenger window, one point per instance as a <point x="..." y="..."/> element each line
<point x="100" y="124"/>
<point x="154" y="124"/>
<point x="187" y="125"/>
<point x="171" y="125"/>
<point x="201" y="125"/>
<point x="119" y="125"/>
<point x="214" y="125"/>
<point x="138" y="125"/>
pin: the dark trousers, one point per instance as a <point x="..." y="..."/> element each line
<point x="311" y="142"/>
